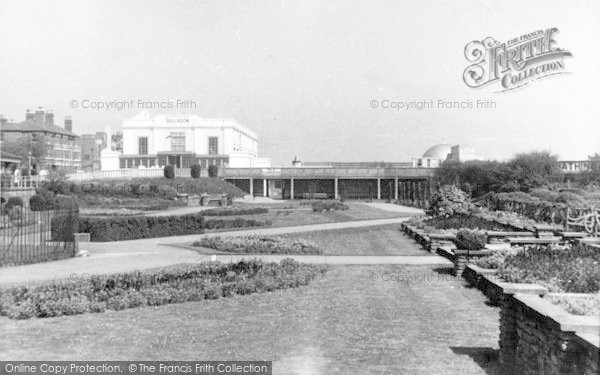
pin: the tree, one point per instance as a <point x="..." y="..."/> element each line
<point x="213" y="171"/>
<point x="35" y="145"/>
<point x="532" y="169"/>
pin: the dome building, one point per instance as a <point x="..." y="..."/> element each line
<point x="436" y="155"/>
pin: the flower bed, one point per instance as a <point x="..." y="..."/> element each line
<point x="258" y="245"/>
<point x="181" y="283"/>
<point x="463" y="220"/>
<point x="560" y="269"/>
<point x="496" y="258"/>
<point x="577" y="304"/>
<point x="321" y="206"/>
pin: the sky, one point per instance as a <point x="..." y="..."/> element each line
<point x="304" y="74"/>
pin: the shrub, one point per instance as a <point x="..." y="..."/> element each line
<point x="181" y="283"/>
<point x="448" y="200"/>
<point x="258" y="245"/>
<point x="195" y="171"/>
<point x="328" y="205"/>
<point x="572" y="199"/>
<point x="12" y="202"/>
<point x="580" y="192"/>
<point x="213" y="171"/>
<point x="471" y="239"/>
<point x="544" y="194"/>
<point x="573" y="270"/>
<point x="169" y="172"/>
<point x="578" y="305"/>
<point x="496" y="258"/>
<point x="43" y="200"/>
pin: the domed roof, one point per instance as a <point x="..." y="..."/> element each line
<point x="440" y="151"/>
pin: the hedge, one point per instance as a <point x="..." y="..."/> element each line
<point x="104" y="229"/>
<point x="175" y="284"/>
<point x="235" y="211"/>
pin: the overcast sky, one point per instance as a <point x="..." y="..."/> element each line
<point x="302" y="73"/>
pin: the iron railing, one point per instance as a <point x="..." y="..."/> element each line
<point x="36" y="236"/>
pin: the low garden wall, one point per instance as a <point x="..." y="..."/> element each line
<point x="536" y="336"/>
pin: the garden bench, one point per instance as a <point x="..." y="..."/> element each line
<point x="205" y="199"/>
<point x="315" y="195"/>
<point x="183" y="196"/>
<point x="534" y="240"/>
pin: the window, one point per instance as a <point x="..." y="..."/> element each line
<point x="177" y="141"/>
<point x="143" y="145"/>
<point x="213" y="145"/>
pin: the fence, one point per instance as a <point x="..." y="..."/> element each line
<point x="36" y="236"/>
<point x="571" y="218"/>
<point x="8" y="181"/>
<point x="130" y="173"/>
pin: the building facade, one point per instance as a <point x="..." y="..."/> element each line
<point x="436" y="155"/>
<point x="62" y="149"/>
<point x="90" y="146"/>
<point x="185" y="140"/>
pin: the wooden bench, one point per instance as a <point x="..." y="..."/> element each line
<point x="534" y="240"/>
<point x="205" y="199"/>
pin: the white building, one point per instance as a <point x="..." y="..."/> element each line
<point x="436" y="155"/>
<point x="184" y="140"/>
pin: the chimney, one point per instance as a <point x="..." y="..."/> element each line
<point x="29" y="115"/>
<point x="39" y="115"/>
<point x="49" y="118"/>
<point x="68" y="124"/>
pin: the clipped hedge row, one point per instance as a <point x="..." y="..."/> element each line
<point x="104" y="229"/>
<point x="235" y="211"/>
<point x="181" y="283"/>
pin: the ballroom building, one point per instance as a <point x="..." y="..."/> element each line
<point x="185" y="140"/>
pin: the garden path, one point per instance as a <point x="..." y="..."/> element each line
<point x="124" y="256"/>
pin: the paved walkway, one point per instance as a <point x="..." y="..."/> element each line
<point x="396" y="208"/>
<point x="124" y="256"/>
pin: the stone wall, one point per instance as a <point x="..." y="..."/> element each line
<point x="538" y="337"/>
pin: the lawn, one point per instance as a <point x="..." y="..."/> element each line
<point x="375" y="240"/>
<point x="342" y="323"/>
<point x="303" y="215"/>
